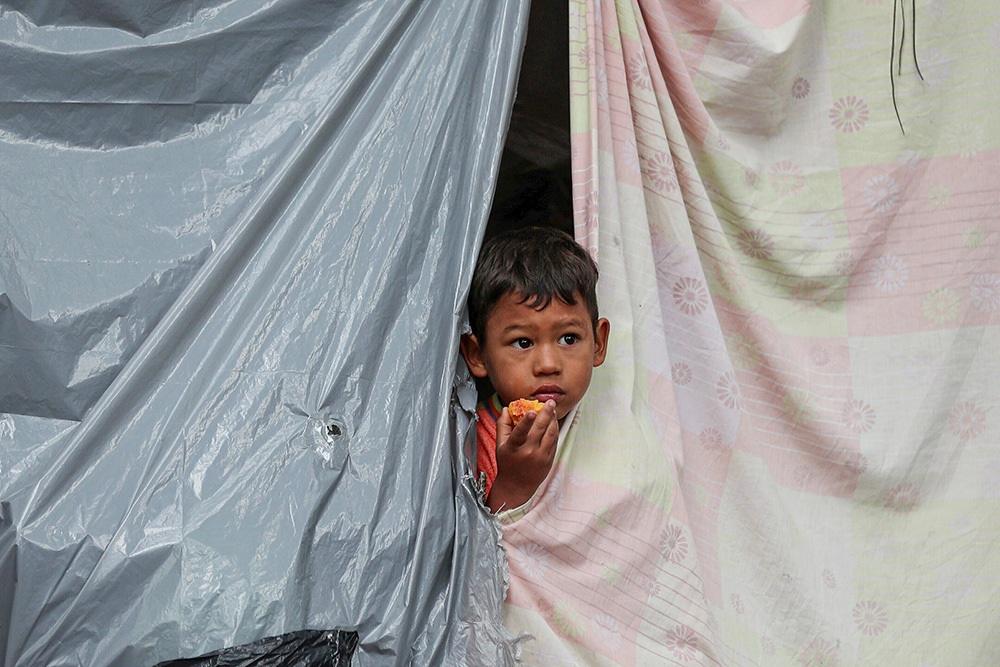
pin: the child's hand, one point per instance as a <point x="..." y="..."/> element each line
<point x="524" y="456"/>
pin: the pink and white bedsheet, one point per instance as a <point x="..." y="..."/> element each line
<point x="791" y="456"/>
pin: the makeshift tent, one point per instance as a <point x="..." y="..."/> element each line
<point x="236" y="245"/>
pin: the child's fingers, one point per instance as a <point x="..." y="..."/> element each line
<point x="514" y="435"/>
<point x="542" y="422"/>
<point x="504" y="426"/>
<point x="550" y="439"/>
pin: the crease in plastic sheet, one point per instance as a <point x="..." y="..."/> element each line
<point x="235" y="244"/>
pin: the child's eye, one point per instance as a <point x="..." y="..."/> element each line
<point x="569" y="339"/>
<point x="522" y="343"/>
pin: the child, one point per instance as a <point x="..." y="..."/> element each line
<point x="535" y="334"/>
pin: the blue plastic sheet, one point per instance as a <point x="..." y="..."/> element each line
<point x="235" y="243"/>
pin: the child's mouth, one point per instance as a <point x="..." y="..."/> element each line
<point x="543" y="394"/>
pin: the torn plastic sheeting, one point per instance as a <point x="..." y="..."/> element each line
<point x="216" y="288"/>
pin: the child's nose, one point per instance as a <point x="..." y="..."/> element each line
<point x="546" y="361"/>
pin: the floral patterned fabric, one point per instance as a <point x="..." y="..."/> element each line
<point x="790" y="456"/>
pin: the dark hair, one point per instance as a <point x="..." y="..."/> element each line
<point x="540" y="263"/>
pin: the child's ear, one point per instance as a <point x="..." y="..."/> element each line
<point x="473" y="354"/>
<point x="601" y="341"/>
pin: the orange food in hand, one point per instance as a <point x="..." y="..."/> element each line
<point x="521" y="406"/>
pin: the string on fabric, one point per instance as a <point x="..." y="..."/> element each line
<point x="897" y="68"/>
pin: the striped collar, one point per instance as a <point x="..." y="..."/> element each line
<point x="494" y="407"/>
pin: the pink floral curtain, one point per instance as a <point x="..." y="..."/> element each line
<point x="791" y="456"/>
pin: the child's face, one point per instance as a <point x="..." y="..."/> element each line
<point x="546" y="354"/>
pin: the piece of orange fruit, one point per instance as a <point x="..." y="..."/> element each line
<point x="517" y="409"/>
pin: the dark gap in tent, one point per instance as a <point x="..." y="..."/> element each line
<point x="305" y="648"/>
<point x="534" y="185"/>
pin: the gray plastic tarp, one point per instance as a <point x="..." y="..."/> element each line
<point x="235" y="243"/>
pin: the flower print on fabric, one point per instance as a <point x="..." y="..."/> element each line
<point x="611" y="574"/>
<point x="889" y="273"/>
<point x="728" y="391"/>
<point x="939" y="195"/>
<point x="819" y="355"/>
<point x="973" y="237"/>
<point x="751" y="177"/>
<point x="936" y="9"/>
<point x="829" y="580"/>
<point x="818" y="231"/>
<point x="555" y="495"/>
<point x="963" y="524"/>
<point x="591" y="210"/>
<point x="606" y="632"/>
<point x="580" y="479"/>
<point x="811" y="292"/>
<point x="881" y="193"/>
<point x="681" y="373"/>
<point x="941" y="305"/>
<point x="844" y="264"/>
<point x="640" y="476"/>
<point x="819" y="653"/>
<point x="743" y="351"/>
<point x="602" y="85"/>
<point x="955" y="583"/>
<point x="985" y="292"/>
<point x="800" y="88"/>
<point x="690" y="296"/>
<point x="533" y="560"/>
<point x="967" y="421"/>
<point x="754" y="503"/>
<point x="644" y="581"/>
<point x="755" y="243"/>
<point x="660" y="172"/>
<point x="858" y="416"/>
<point x="682" y="642"/>
<point x="638" y="72"/>
<point x="935" y="66"/>
<point x="737" y="602"/>
<point x="849" y="114"/>
<point x="673" y="544"/>
<point x="857" y="463"/>
<point x="856" y="39"/>
<point x="567" y="620"/>
<point x="902" y="498"/>
<point x="804" y="476"/>
<point x="798" y="404"/>
<point x="966" y="139"/>
<point x="727" y="273"/>
<point x="681" y="167"/>
<point x="630" y="153"/>
<point x="577" y="22"/>
<point x="870" y="618"/>
<point x="767" y="645"/>
<point x="909" y="159"/>
<point x="711" y="439"/>
<point x="786" y="178"/>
